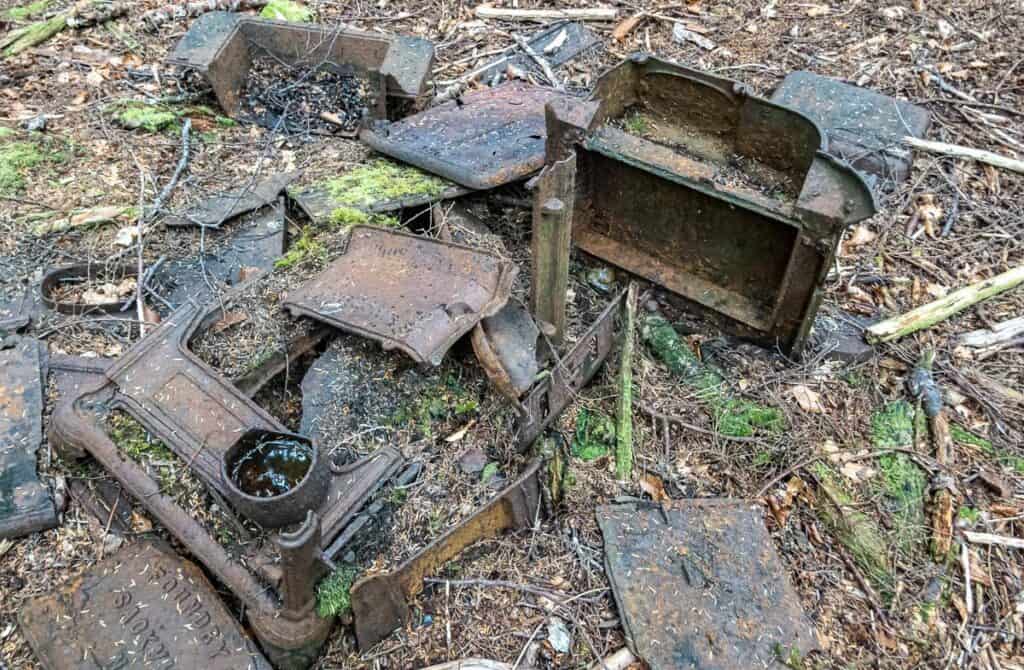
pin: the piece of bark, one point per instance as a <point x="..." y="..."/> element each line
<point x="934" y="312"/>
<point x="988" y="538"/>
<point x="626" y="26"/>
<point x="997" y="334"/>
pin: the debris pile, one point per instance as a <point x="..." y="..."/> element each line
<point x="522" y="354"/>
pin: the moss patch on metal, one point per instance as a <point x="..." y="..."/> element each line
<point x="382" y="181"/>
<point x="306" y="249"/>
<point x="446" y="400"/>
<point x="344" y="218"/>
<point x="133" y="114"/>
<point x="332" y="593"/>
<point x="735" y="417"/>
<point x="285" y="10"/>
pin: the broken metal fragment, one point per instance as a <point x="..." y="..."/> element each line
<point x="142" y="607"/>
<point x="61" y="277"/>
<point x="726" y="199"/>
<point x="482" y="140"/>
<point x="25" y="502"/>
<point x="698" y="584"/>
<point x="506" y="346"/>
<point x="221" y="46"/>
<point x="412" y="293"/>
<point x="553" y="393"/>
<point x="380" y="602"/>
<point x="217" y="209"/>
<point x="864" y="127"/>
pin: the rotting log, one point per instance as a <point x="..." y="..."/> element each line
<point x="624" y="407"/>
<point x="934" y="312"/>
<point x="551" y="243"/>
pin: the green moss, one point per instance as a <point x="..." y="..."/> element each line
<point x="332" y="593"/>
<point x="133" y="440"/>
<point x="381" y="181"/>
<point x="31" y="35"/>
<point x="636" y="124"/>
<point x="441" y="402"/>
<point x="286" y="10"/>
<point x="856" y="531"/>
<point x="303" y="250"/>
<point x="964" y="436"/>
<point x="594" y="437"/>
<point x="904" y="486"/>
<point x="790" y="657"/>
<point x="133" y="114"/>
<point x="892" y="426"/>
<point x="26" y="11"/>
<point x="490" y="470"/>
<point x="968" y="514"/>
<point x="6" y="132"/>
<point x="16" y="158"/>
<point x="733" y="416"/>
<point x="226" y="121"/>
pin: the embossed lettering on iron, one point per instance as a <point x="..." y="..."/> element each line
<point x="141" y="608"/>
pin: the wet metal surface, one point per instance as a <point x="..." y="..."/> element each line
<point x="482" y="140"/>
<point x="380" y="602"/>
<point x="408" y="292"/>
<point x="864" y="127"/>
<point x="25" y="503"/>
<point x="698" y="584"/>
<point x="141" y="608"/>
<point x="217" y="209"/>
<point x="726" y="199"/>
<point x="222" y="45"/>
<point x="553" y="394"/>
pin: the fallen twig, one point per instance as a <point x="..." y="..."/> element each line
<point x="682" y="423"/>
<point x="545" y="15"/>
<point x="997" y="334"/>
<point x="624" y="407"/>
<point x="989" y="538"/>
<point x="959" y="151"/>
<point x="928" y="315"/>
<point x="539" y="60"/>
<point x="922" y="386"/>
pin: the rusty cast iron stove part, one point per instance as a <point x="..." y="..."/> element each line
<point x="222" y="45"/>
<point x="726" y="199"/>
<point x="142" y="607"/>
<point x="411" y="293"/>
<point x="218" y="209"/>
<point x="506" y="346"/>
<point x="380" y="602"/>
<point x="78" y="274"/>
<point x="25" y="502"/>
<point x="698" y="584"/>
<point x="551" y="395"/>
<point x="482" y="140"/>
<point x="200" y="417"/>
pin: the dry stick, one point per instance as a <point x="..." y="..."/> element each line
<point x="928" y="315"/>
<point x="544" y="15"/>
<point x="971" y="153"/>
<point x="1001" y="332"/>
<point x="682" y="423"/>
<point x="989" y="538"/>
<point x="542" y="62"/>
<point x="924" y="462"/>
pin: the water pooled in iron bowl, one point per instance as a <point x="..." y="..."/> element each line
<point x="272" y="465"/>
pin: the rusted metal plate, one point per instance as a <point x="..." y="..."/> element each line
<point x="379" y="602"/>
<point x="726" y="199"/>
<point x="140" y="608"/>
<point x="864" y="127"/>
<point x="553" y="394"/>
<point x="482" y="140"/>
<point x="217" y="209"/>
<point x="506" y="346"/>
<point x="221" y="46"/>
<point x="699" y="585"/>
<point x="60" y="278"/>
<point x="411" y="293"/>
<point x="25" y="503"/>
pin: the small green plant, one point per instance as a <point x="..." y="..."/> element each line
<point x="790" y="657"/>
<point x="636" y="124"/>
<point x="968" y="514"/>
<point x="286" y="10"/>
<point x="305" y="249"/>
<point x="16" y="159"/>
<point x="490" y="470"/>
<point x="133" y="114"/>
<point x="398" y="495"/>
<point x="332" y="593"/>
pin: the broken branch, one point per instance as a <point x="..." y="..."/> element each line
<point x="928" y="315"/>
<point x="989" y="538"/>
<point x="959" y="151"/>
<point x="624" y="407"/>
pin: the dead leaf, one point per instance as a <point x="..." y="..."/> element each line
<point x="460" y="433"/>
<point x="857" y="472"/>
<point x="682" y="35"/>
<point x="918" y="5"/>
<point x="126" y="236"/>
<point x="248" y="273"/>
<point x="894" y="13"/>
<point x="627" y="26"/>
<point x="929" y="213"/>
<point x="229" y="319"/>
<point x="815" y="11"/>
<point x="654" y="487"/>
<point x="861" y="235"/>
<point x="782" y="504"/>
<point x="946" y="30"/>
<point x="809" y="401"/>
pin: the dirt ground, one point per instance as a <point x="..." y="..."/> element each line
<point x="952" y="223"/>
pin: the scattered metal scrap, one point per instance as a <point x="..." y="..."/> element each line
<point x="558" y="43"/>
<point x="25" y="502"/>
<point x="724" y="198"/>
<point x="201" y="417"/>
<point x="698" y="584"/>
<point x="222" y="47"/>
<point x="482" y="140"/>
<point x="143" y="606"/>
<point x="506" y="346"/>
<point x="214" y="211"/>
<point x="380" y="602"/>
<point x="58" y="279"/>
<point x="412" y="293"/>
<point x="863" y="127"/>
